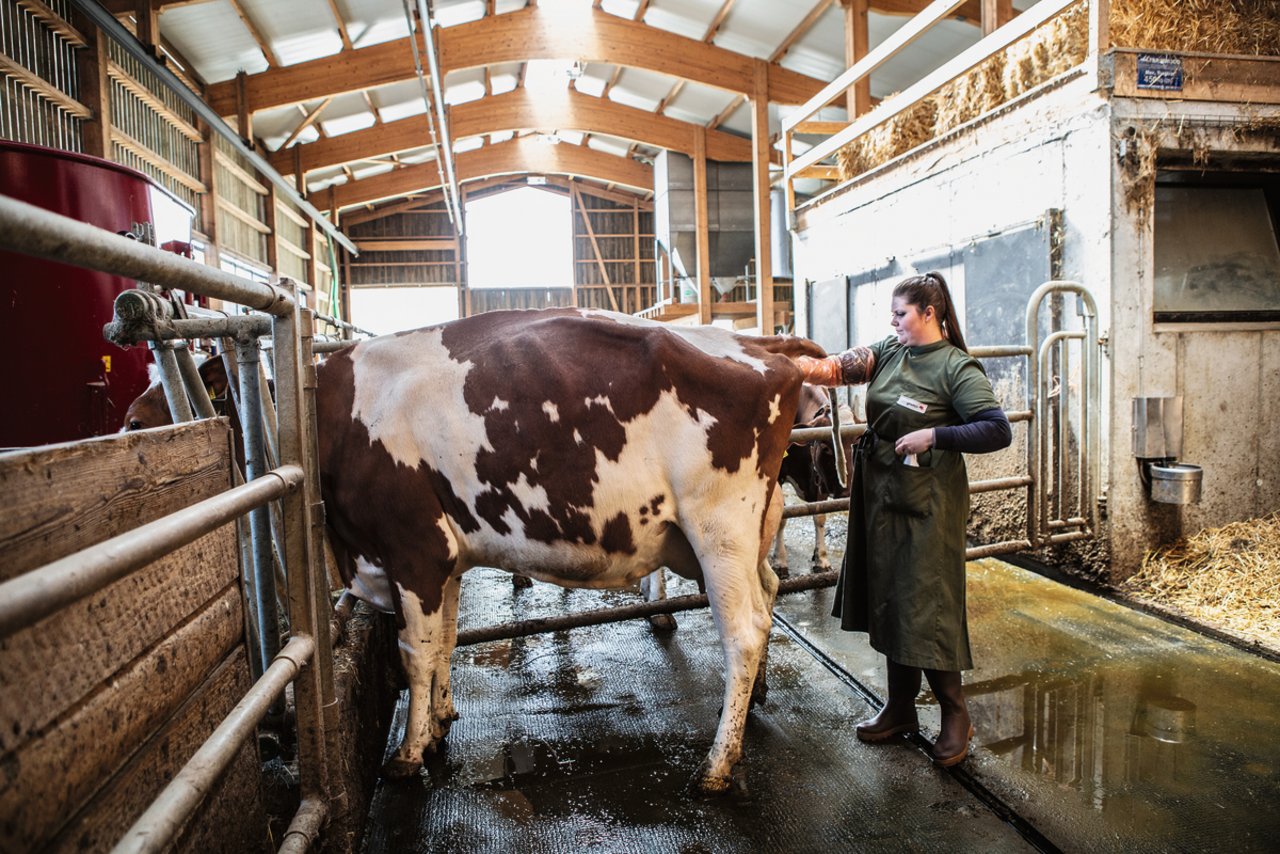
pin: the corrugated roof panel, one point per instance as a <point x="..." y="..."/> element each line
<point x="503" y="77"/>
<point x="371" y="22"/>
<point x="609" y="145"/>
<point x="471" y="143"/>
<point x="696" y="103"/>
<point x="402" y="110"/>
<point x="570" y="137"/>
<point x="501" y="136"/>
<point x="820" y="52"/>
<point x="346" y="124"/>
<point x="932" y="50"/>
<point x="450" y="13"/>
<point x="418" y="155"/>
<point x="214" y="40"/>
<point x="641" y="89"/>
<point x="463" y="86"/>
<point x="684" y="17"/>
<point x="296" y="30"/>
<point x="364" y="169"/>
<point x="621" y="8"/>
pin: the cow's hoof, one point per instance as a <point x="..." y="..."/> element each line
<point x="400" y="768"/>
<point x="759" y="694"/>
<point x="521" y="582"/>
<point x="782" y="572"/>
<point x="662" y="622"/>
<point x="822" y="566"/>
<point x="707" y="783"/>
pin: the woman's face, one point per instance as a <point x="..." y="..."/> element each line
<point x="914" y="327"/>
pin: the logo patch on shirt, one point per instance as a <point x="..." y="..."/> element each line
<point x="903" y="400"/>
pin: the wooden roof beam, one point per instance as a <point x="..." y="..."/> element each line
<point x="272" y="60"/>
<point x="595" y="36"/>
<point x="342" y="25"/>
<point x="519" y="156"/>
<point x="518" y="110"/>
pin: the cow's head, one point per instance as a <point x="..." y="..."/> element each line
<point x="150" y="409"/>
<point x="822" y="455"/>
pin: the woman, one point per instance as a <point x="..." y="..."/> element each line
<point x="903" y="578"/>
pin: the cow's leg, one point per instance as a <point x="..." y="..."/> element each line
<point x="779" y="557"/>
<point x="421" y="640"/>
<point x="442" y="708"/>
<point x="768" y="584"/>
<point x="820" y="561"/>
<point x="730" y="561"/>
<point x="521" y="582"/>
<point x="654" y="588"/>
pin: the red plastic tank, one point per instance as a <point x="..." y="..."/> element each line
<point x="59" y="379"/>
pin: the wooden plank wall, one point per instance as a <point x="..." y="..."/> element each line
<point x="613" y="251"/>
<point x="104" y="701"/>
<point x="67" y="86"/>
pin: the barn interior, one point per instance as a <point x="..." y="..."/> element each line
<point x="263" y="183"/>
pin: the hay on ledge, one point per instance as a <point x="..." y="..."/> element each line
<point x="1227" y="578"/>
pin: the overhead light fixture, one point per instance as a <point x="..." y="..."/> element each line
<point x="575" y="69"/>
<point x="549" y="138"/>
<point x="537" y="180"/>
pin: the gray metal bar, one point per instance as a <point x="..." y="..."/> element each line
<point x="31" y="597"/>
<point x="30" y="230"/>
<point x="992" y="549"/>
<point x="524" y="628"/>
<point x="157" y="828"/>
<point x="999" y="350"/>
<point x="236" y="326"/>
<point x="305" y="828"/>
<point x="309" y="694"/>
<point x="106" y="22"/>
<point x="175" y="392"/>
<point x="195" y="386"/>
<point x="330" y="346"/>
<point x="996" y="484"/>
<point x="1042" y="409"/>
<point x="262" y="589"/>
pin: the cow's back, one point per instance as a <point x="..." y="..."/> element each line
<point x="558" y="442"/>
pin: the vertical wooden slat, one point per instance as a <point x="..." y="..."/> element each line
<point x="856" y="45"/>
<point x="760" y="164"/>
<point x="209" y="200"/>
<point x="634" y="304"/>
<point x="269" y="220"/>
<point x="701" y="228"/>
<point x="995" y="14"/>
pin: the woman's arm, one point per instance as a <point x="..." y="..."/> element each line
<point x="853" y="366"/>
<point x="987" y="431"/>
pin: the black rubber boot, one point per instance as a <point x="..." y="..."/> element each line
<point x="952" y="745"/>
<point x="899" y="713"/>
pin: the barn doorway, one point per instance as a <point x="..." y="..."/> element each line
<point x="522" y="238"/>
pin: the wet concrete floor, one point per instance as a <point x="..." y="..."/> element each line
<point x="1098" y="728"/>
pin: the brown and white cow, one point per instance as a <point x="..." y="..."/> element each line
<point x="579" y="447"/>
<point x="811" y="469"/>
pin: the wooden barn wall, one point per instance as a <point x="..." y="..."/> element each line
<point x="399" y="268"/>
<point x="613" y="254"/>
<point x="60" y="76"/>
<point x="498" y="299"/>
<point x="105" y="700"/>
<point x="40" y="99"/>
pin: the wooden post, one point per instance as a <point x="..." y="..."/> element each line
<point x="856" y="44"/>
<point x="244" y="119"/>
<point x="95" y="90"/>
<point x="269" y="220"/>
<point x="760" y="168"/>
<point x="701" y="224"/>
<point x="209" y="199"/>
<point x="636" y="277"/>
<point x="147" y="14"/>
<point x="995" y="14"/>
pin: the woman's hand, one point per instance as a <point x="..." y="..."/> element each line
<point x="915" y="442"/>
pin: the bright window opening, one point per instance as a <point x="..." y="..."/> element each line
<point x="520" y="239"/>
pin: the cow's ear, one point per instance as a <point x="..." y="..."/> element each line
<point x="213" y="371"/>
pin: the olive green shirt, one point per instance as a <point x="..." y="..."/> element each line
<point x="903" y="578"/>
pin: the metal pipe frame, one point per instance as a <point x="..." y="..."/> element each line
<point x="262" y="589"/>
<point x="29" y="230"/>
<point x="194" y="385"/>
<point x="1042" y="415"/>
<point x="305" y="828"/>
<point x="160" y="825"/>
<point x="175" y="393"/>
<point x="32" y="596"/>
<point x="305" y="567"/>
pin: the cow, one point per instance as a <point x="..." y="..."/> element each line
<point x="151" y="409"/>
<point x="811" y="469"/>
<point x="575" y="446"/>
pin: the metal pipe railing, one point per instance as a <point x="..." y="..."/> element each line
<point x="262" y="592"/>
<point x="30" y="230"/>
<point x="171" y="381"/>
<point x="32" y="596"/>
<point x="156" y="828"/>
<point x="193" y="384"/>
<point x="305" y="828"/>
<point x="1042" y="419"/>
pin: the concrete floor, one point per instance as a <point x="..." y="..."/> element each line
<point x="1098" y="728"/>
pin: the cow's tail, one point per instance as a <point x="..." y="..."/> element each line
<point x="791" y="346"/>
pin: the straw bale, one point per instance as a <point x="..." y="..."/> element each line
<point x="1227" y="578"/>
<point x="913" y="126"/>
<point x="1235" y="27"/>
